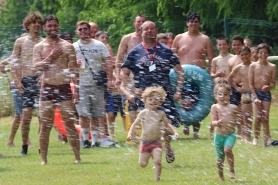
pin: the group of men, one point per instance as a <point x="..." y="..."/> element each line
<point x="54" y="63"/>
<point x="141" y="62"/>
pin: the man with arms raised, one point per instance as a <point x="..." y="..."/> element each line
<point x="24" y="75"/>
<point x="192" y="47"/>
<point x="126" y="44"/>
<point x="151" y="62"/>
<point x="55" y="59"/>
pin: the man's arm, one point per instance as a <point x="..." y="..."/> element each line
<point x="16" y="64"/>
<point x="230" y="79"/>
<point x="42" y="63"/>
<point x="125" y="81"/>
<point x="175" y="44"/>
<point x="109" y="70"/>
<point x="122" y="51"/>
<point x="210" y="53"/>
<point x="179" y="70"/>
<point x="2" y="69"/>
<point x="251" y="81"/>
<point x="73" y="70"/>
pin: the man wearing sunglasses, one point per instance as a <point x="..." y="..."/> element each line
<point x="91" y="106"/>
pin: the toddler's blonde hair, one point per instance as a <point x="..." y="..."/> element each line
<point x="148" y="92"/>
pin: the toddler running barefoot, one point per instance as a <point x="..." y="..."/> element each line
<point x="152" y="120"/>
<point x="224" y="118"/>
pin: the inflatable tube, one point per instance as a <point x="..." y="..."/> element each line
<point x="59" y="123"/>
<point x="200" y="78"/>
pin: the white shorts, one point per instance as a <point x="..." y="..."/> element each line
<point x="91" y="101"/>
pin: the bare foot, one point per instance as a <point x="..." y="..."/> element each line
<point x="232" y="175"/>
<point x="30" y="145"/>
<point x="10" y="144"/>
<point x="255" y="142"/>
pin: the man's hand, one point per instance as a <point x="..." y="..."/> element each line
<point x="56" y="52"/>
<point x="20" y="88"/>
<point x="266" y="88"/>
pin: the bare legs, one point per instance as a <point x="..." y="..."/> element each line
<point x="156" y="155"/>
<point x="15" y="126"/>
<point x="247" y="122"/>
<point x="261" y="117"/>
<point x="196" y="128"/>
<point x="25" y="127"/>
<point x="47" y="114"/>
<point x="230" y="159"/>
<point x="14" y="129"/>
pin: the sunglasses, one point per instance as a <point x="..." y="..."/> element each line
<point x="84" y="29"/>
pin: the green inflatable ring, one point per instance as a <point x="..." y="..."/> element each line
<point x="203" y="81"/>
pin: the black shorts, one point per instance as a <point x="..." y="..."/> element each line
<point x="56" y="93"/>
<point x="31" y="91"/>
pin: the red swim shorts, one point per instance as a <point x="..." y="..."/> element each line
<point x="147" y="147"/>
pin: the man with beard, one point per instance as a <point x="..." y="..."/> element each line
<point x="55" y="59"/>
<point x="151" y="62"/>
<point x="91" y="107"/>
<point x="24" y="75"/>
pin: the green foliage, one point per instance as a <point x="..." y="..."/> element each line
<point x="117" y="17"/>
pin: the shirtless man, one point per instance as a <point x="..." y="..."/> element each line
<point x="24" y="75"/>
<point x="262" y="78"/>
<point x="93" y="29"/>
<point x="237" y="43"/>
<point x="192" y="47"/>
<point x="55" y="59"/>
<point x="126" y="44"/>
<point x="241" y="70"/>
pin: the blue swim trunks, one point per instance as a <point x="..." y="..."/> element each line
<point x="235" y="97"/>
<point x="263" y="96"/>
<point x="114" y="104"/>
<point x="17" y="99"/>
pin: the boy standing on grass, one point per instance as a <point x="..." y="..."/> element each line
<point x="224" y="117"/>
<point x="219" y="64"/>
<point x="237" y="43"/>
<point x="152" y="120"/>
<point x="241" y="70"/>
<point x="262" y="78"/>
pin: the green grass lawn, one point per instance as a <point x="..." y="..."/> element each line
<point x="194" y="164"/>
